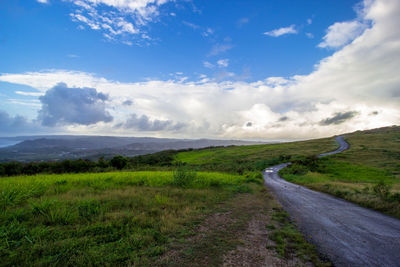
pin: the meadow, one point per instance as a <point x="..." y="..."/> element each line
<point x="129" y="218"/>
<point x="103" y="218"/>
<point x="367" y="174"/>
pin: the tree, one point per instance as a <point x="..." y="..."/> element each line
<point x="119" y="162"/>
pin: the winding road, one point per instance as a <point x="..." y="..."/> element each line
<point x="347" y="234"/>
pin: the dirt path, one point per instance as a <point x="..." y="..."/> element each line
<point x="348" y="234"/>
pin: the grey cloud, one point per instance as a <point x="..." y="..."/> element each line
<point x="16" y="124"/>
<point x="374" y="113"/>
<point x="143" y="123"/>
<point x="339" y="118"/>
<point x="127" y="102"/>
<point x="249" y="124"/>
<point x="62" y="105"/>
<point x="284" y="118"/>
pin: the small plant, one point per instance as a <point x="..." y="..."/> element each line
<point x="382" y="190"/>
<point x="183" y="176"/>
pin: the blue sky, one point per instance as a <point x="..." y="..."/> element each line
<point x="197" y="68"/>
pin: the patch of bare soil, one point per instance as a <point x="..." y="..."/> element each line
<point x="253" y="249"/>
<point x="235" y="235"/>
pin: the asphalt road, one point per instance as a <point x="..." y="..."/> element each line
<point x="347" y="234"/>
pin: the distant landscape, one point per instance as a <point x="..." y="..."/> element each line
<point x="55" y="148"/>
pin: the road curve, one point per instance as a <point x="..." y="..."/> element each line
<point x="347" y="234"/>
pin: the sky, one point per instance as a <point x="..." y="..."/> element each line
<point x="240" y="69"/>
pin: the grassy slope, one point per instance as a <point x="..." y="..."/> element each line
<point x="254" y="158"/>
<point x="368" y="173"/>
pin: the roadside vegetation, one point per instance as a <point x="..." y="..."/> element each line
<point x="127" y="218"/>
<point x="107" y="218"/>
<point x="367" y="174"/>
<point x="287" y="240"/>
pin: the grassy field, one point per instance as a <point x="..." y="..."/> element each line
<point x="238" y="159"/>
<point x="125" y="218"/>
<point x="367" y="174"/>
<point x="107" y="218"/>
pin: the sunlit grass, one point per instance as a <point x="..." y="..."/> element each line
<point x="118" y="218"/>
<point x="237" y="159"/>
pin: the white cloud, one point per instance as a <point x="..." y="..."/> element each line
<point x="340" y="95"/>
<point x="208" y="32"/>
<point x="310" y="35"/>
<point x="241" y="22"/>
<point x="43" y="1"/>
<point x="219" y="49"/>
<point x="282" y="31"/>
<point x="309" y="21"/>
<point x="28" y="93"/>
<point x="223" y="63"/>
<point x="342" y="33"/>
<point x="191" y="25"/>
<point x="208" y="65"/>
<point x="115" y="18"/>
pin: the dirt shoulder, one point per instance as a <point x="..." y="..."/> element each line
<point x="236" y="235"/>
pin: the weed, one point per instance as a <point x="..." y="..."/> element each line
<point x="289" y="241"/>
<point x="184" y="176"/>
<point x="382" y="189"/>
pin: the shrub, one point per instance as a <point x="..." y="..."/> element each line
<point x="382" y="190"/>
<point x="183" y="176"/>
<point x="119" y="162"/>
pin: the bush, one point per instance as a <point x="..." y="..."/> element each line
<point x="183" y="176"/>
<point x="297" y="169"/>
<point x="382" y="190"/>
<point x="254" y="177"/>
<point x="119" y="162"/>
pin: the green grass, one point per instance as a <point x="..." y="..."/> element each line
<point x="367" y="174"/>
<point x="120" y="218"/>
<point x="288" y="240"/>
<point x="238" y="159"/>
<point x="379" y="148"/>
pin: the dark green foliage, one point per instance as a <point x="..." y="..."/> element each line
<point x="184" y="176"/>
<point x="119" y="162"/>
<point x="163" y="158"/>
<point x="89" y="209"/>
<point x="382" y="190"/>
<point x="303" y="165"/>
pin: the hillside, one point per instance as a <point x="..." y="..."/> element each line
<point x="367" y="174"/>
<point x="42" y="148"/>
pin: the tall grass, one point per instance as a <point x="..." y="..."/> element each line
<point x="119" y="218"/>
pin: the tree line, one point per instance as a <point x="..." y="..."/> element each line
<point x="159" y="159"/>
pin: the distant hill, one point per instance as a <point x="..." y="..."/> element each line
<point x="42" y="148"/>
